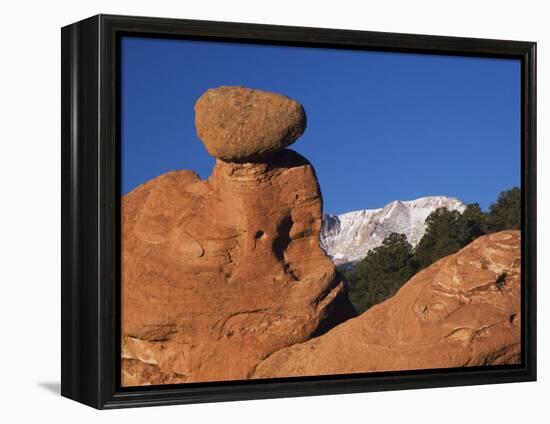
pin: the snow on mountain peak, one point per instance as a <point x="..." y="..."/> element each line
<point x="348" y="237"/>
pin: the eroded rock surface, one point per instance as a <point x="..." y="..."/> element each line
<point x="464" y="310"/>
<point x="218" y="274"/>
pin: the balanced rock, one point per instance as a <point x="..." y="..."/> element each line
<point x="238" y="124"/>
<point x="464" y="310"/>
<point x="218" y="274"/>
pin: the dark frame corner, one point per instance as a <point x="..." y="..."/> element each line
<point x="90" y="205"/>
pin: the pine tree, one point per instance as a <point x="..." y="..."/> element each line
<point x="442" y="237"/>
<point x="381" y="273"/>
<point x="472" y="224"/>
<point x="505" y="213"/>
<point x="449" y="231"/>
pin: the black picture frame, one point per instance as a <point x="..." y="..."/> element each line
<point x="90" y="181"/>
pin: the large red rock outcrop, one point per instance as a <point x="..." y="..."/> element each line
<point x="218" y="274"/>
<point x="224" y="279"/>
<point x="464" y="310"/>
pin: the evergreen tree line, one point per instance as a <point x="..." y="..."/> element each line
<point x="386" y="268"/>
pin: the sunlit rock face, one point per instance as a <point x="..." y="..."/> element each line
<point x="464" y="310"/>
<point x="218" y="274"/>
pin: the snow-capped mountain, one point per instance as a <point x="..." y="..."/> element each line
<point x="348" y="237"/>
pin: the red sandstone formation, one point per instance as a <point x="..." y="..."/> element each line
<point x="464" y="310"/>
<point x="219" y="274"/>
<point x="224" y="279"/>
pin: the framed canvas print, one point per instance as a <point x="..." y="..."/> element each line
<point x="253" y="211"/>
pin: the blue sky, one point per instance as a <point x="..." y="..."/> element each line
<point x="381" y="126"/>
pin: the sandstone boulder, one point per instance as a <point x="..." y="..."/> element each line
<point x="464" y="310"/>
<point x="238" y="124"/>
